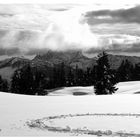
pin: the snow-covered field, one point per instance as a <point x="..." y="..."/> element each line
<point x="86" y="115"/>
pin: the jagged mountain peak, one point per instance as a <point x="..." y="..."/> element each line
<point x="14" y="62"/>
<point x="61" y="56"/>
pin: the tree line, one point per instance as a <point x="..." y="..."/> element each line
<point x="31" y="81"/>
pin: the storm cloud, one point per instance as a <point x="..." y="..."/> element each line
<point x="131" y="15"/>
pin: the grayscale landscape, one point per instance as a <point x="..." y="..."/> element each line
<point x="70" y="69"/>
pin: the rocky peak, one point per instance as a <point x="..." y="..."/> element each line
<point x="66" y="56"/>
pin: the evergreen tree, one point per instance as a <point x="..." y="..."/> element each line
<point x="15" y="83"/>
<point x="58" y="78"/>
<point x="125" y="71"/>
<point x="62" y="78"/>
<point x="22" y="81"/>
<point x="76" y="77"/>
<point x="81" y="77"/>
<point x="92" y="76"/>
<point x="104" y="78"/>
<point x="70" y="78"/>
<point x="39" y="83"/>
<point x="3" y="85"/>
<point x="27" y="81"/>
<point x="54" y="78"/>
<point x="136" y="72"/>
<point x="88" y="77"/>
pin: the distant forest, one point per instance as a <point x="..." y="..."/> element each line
<point x="28" y="80"/>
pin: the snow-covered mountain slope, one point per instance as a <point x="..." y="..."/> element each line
<point x="112" y="115"/>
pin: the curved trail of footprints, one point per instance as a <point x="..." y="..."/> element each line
<point x="39" y="124"/>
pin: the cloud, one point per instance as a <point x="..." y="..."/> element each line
<point x="36" y="41"/>
<point x="37" y="28"/>
<point x="9" y="51"/>
<point x="30" y="42"/>
<point x="59" y="9"/>
<point x="132" y="29"/>
<point x="33" y="29"/>
<point x="118" y="47"/>
<point x="6" y="15"/>
<point x="131" y="15"/>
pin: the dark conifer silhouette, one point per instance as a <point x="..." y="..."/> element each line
<point x="33" y="81"/>
<point x="125" y="71"/>
<point x="22" y="81"/>
<point x="25" y="81"/>
<point x="39" y="83"/>
<point x="3" y="85"/>
<point x="136" y="72"/>
<point x="16" y="82"/>
<point x="62" y="78"/>
<point x="104" y="78"/>
<point x="78" y="76"/>
<point x="70" y="78"/>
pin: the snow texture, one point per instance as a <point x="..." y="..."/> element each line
<point x="90" y="115"/>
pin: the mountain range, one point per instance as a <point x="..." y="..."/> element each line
<point x="45" y="62"/>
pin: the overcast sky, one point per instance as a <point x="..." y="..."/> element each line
<point x="91" y="26"/>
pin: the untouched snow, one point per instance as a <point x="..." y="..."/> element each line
<point x="118" y="113"/>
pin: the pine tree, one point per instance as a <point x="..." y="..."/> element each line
<point x="70" y="78"/>
<point x="81" y="78"/>
<point x="3" y="85"/>
<point x="76" y="77"/>
<point x="88" y="77"/>
<point x="22" y="81"/>
<point x="54" y="78"/>
<point x="104" y="78"/>
<point x="15" y="83"/>
<point x="62" y="79"/>
<point x="136" y="72"/>
<point x="25" y="81"/>
<point x="125" y="71"/>
<point x="39" y="83"/>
